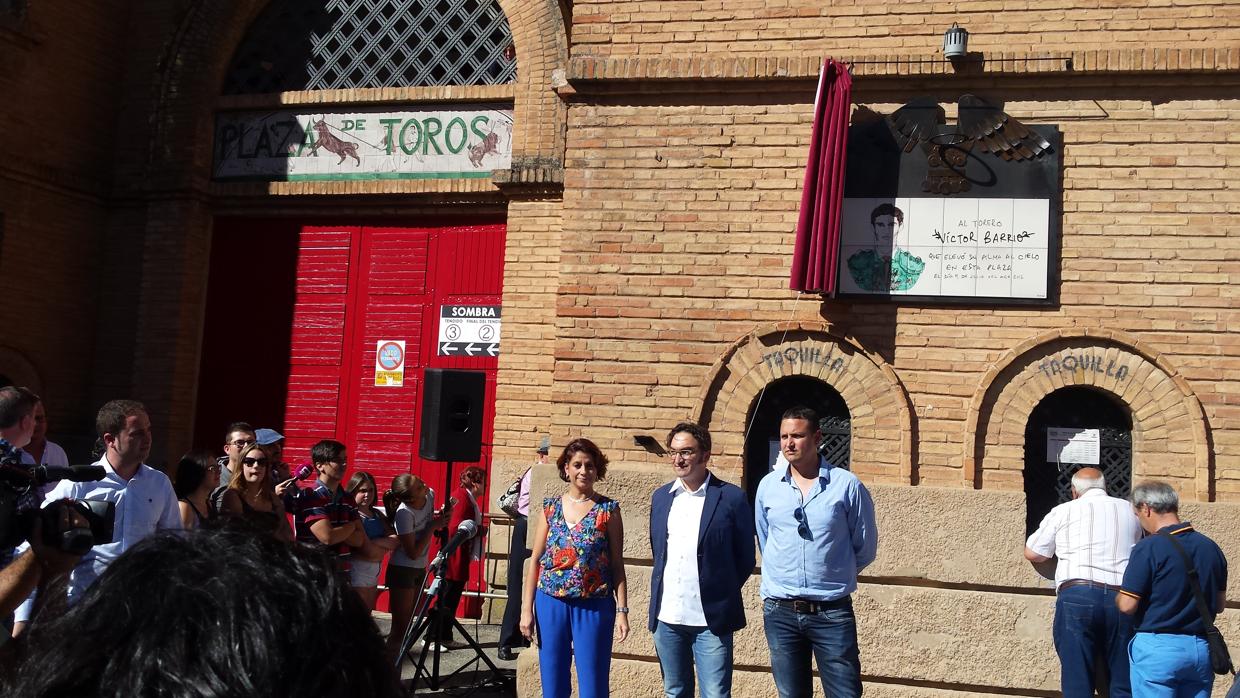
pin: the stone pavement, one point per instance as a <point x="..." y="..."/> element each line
<point x="473" y="680"/>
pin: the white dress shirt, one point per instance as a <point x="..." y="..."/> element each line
<point x="681" y="601"/>
<point x="145" y="503"/>
<point x="1091" y="535"/>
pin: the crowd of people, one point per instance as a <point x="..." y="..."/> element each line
<point x="1138" y="588"/>
<point x="248" y="492"/>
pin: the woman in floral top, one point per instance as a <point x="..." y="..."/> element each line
<point x="576" y="595"/>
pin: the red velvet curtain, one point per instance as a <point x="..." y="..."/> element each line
<point x="815" y="259"/>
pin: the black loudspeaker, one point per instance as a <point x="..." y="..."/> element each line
<point x="452" y="402"/>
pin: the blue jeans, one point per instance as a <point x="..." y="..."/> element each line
<point x="1170" y="666"/>
<point x="680" y="647"/>
<point x="830" y="634"/>
<point x="1089" y="630"/>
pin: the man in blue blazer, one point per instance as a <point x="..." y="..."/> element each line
<point x="702" y="538"/>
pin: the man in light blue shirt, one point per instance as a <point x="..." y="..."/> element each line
<point x="145" y="501"/>
<point x="816" y="531"/>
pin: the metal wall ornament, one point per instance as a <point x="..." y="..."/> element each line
<point x="979" y="125"/>
<point x="341" y="44"/>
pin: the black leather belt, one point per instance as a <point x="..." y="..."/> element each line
<point x="807" y="606"/>
<point x="1086" y="583"/>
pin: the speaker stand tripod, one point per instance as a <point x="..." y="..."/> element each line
<point x="426" y="607"/>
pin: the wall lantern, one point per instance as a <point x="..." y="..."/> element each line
<point x="955" y="42"/>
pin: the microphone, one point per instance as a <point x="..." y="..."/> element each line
<point x="468" y="529"/>
<point x="304" y="472"/>
<point x="44" y="474"/>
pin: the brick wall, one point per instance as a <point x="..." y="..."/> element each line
<point x="57" y="72"/>
<point x="757" y="27"/>
<point x="678" y="234"/>
<point x="523" y="396"/>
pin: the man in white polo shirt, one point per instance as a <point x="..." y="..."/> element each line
<point x="1091" y="536"/>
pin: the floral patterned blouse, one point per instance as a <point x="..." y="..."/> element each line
<point x="577" y="563"/>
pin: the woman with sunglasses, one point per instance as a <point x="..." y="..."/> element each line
<point x="250" y="498"/>
<point x="576" y="594"/>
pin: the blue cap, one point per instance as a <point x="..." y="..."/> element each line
<point x="266" y="437"/>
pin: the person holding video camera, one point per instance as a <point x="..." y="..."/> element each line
<point x="17" y="420"/>
<point x="143" y="496"/>
<point x="17" y="425"/>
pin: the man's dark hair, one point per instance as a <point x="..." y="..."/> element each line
<point x="112" y="416"/>
<point x="327" y="451"/>
<point x="802" y="412"/>
<point x="238" y="426"/>
<point x="887" y="210"/>
<point x="207" y="613"/>
<point x="693" y="429"/>
<point x="15" y="405"/>
<point x="582" y="446"/>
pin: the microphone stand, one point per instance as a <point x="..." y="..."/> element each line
<point x="419" y="622"/>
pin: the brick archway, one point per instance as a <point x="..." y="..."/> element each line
<point x="877" y="402"/>
<point x="1169" y="432"/>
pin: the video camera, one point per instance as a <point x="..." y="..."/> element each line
<point x="19" y="505"/>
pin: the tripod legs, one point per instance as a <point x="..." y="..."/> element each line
<point x="426" y="608"/>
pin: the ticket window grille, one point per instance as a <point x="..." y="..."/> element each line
<point x="340" y="44"/>
<point x="1114" y="460"/>
<point x="836" y="444"/>
<point x="762" y="441"/>
<point x="1049" y="482"/>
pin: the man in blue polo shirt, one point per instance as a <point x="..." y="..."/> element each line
<point x="1168" y="654"/>
<point x="816" y="530"/>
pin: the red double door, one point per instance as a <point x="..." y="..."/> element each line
<point x="295" y="313"/>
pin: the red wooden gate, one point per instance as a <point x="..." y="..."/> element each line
<point x="294" y="315"/>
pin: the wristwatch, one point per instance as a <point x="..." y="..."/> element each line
<point x="622" y="609"/>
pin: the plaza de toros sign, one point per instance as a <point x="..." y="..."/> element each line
<point x="363" y="144"/>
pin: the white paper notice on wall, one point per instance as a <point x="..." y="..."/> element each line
<point x="1072" y="445"/>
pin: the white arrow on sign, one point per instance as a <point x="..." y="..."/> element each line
<point x="492" y="349"/>
<point x="447" y="349"/>
<point x="471" y="349"/>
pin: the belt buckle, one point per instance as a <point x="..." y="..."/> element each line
<point x="803" y="606"/>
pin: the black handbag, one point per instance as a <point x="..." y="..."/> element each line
<point x="1220" y="658"/>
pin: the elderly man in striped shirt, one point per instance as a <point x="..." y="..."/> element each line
<point x="1091" y="536"/>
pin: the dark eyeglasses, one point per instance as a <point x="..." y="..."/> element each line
<point x="802" y="523"/>
<point x="254" y="461"/>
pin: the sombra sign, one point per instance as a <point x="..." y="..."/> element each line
<point x="440" y="143"/>
<point x="469" y="330"/>
<point x="968" y="211"/>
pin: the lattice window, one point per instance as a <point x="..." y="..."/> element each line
<point x="1114" y="460"/>
<point x="836" y="444"/>
<point x="333" y="44"/>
